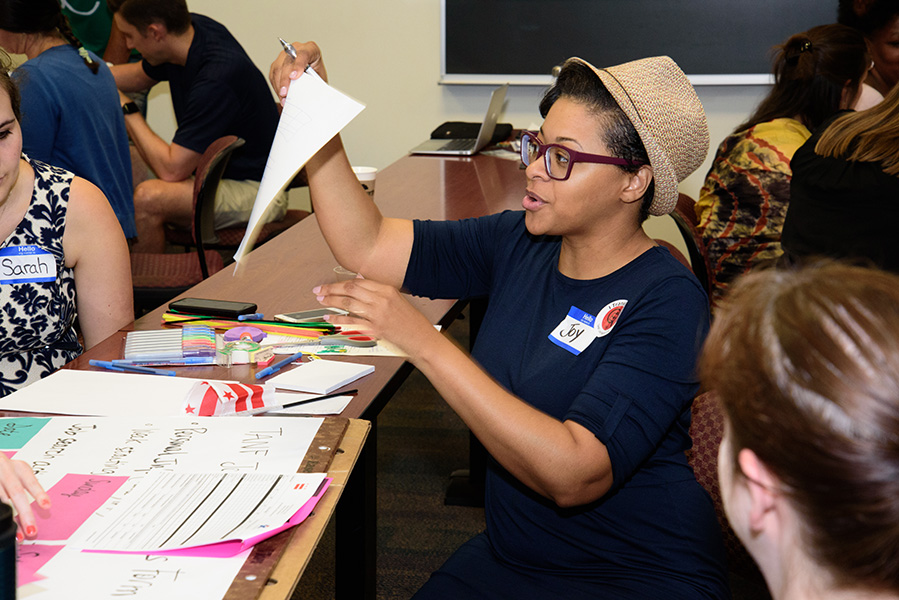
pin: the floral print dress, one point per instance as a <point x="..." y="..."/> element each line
<point x="37" y="290"/>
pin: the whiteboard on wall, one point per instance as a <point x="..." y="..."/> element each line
<point x="723" y="42"/>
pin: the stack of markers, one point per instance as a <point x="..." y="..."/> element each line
<point x="193" y="344"/>
<point x="310" y="330"/>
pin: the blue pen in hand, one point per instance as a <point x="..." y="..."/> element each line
<point x="278" y="366"/>
<point x="105" y="364"/>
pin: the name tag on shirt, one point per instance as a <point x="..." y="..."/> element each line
<point x="26" y="264"/>
<point x="575" y="332"/>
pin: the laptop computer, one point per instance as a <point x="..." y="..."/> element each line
<point x="468" y="146"/>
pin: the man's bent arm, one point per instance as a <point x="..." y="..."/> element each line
<point x="130" y="77"/>
<point x="170" y="162"/>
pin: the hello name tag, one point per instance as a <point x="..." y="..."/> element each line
<point x="26" y="264"/>
<point x="575" y="332"/>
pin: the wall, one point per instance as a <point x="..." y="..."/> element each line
<point x="386" y="53"/>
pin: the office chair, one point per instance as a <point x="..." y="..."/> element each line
<point x="684" y="216"/>
<point x="229" y="238"/>
<point x="157" y="278"/>
<point x="674" y="252"/>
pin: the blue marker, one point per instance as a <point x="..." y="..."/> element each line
<point x="278" y="366"/>
<point x="253" y="317"/>
<point x="129" y="368"/>
<point x="174" y="361"/>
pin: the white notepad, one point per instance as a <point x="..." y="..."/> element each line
<point x="320" y="376"/>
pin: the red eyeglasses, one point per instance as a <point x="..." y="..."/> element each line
<point x="560" y="159"/>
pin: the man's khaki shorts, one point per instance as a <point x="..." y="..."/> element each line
<point x="234" y="202"/>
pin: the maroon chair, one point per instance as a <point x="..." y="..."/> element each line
<point x="229" y="238"/>
<point x="706" y="430"/>
<point x="684" y="216"/>
<point x="674" y="252"/>
<point x="157" y="278"/>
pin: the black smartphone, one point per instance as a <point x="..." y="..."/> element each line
<point x="212" y="308"/>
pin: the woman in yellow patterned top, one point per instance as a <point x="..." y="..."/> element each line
<point x="744" y="199"/>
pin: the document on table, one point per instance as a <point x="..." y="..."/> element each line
<point x="109" y="449"/>
<point x="313" y="113"/>
<point x="169" y="511"/>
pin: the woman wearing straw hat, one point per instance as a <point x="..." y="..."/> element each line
<point x="582" y="376"/>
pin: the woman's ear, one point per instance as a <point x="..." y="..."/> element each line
<point x="763" y="489"/>
<point x="636" y="185"/>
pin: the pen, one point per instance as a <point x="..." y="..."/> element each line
<point x="317" y="398"/>
<point x="291" y="51"/>
<point x="129" y="368"/>
<point x="278" y="366"/>
<point x="253" y="317"/>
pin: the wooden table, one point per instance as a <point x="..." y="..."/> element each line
<point x="272" y="570"/>
<point x="279" y="277"/>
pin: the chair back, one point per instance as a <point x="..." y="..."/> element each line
<point x="684" y="216"/>
<point x="674" y="252"/>
<point x="706" y="430"/>
<point x="206" y="182"/>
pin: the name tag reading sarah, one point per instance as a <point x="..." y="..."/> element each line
<point x="26" y="264"/>
<point x="575" y="332"/>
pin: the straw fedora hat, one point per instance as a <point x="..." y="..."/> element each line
<point x="662" y="105"/>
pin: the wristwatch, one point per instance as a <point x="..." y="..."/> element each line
<point x="129" y="108"/>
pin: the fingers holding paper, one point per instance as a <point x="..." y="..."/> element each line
<point x="285" y="68"/>
<point x="16" y="478"/>
<point x="380" y="310"/>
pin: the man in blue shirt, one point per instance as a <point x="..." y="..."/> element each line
<point x="216" y="90"/>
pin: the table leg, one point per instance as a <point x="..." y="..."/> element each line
<point x="466" y="487"/>
<point x="356" y="528"/>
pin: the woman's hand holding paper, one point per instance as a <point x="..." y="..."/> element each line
<point x="286" y="68"/>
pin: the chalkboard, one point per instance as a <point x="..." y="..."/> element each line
<point x="714" y="41"/>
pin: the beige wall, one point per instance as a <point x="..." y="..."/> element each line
<point x="386" y="53"/>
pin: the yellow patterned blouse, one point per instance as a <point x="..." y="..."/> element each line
<point x="743" y="202"/>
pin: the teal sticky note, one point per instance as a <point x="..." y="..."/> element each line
<point x="15" y="433"/>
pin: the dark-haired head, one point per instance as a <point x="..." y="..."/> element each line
<point x="579" y="83"/>
<point x="143" y="13"/>
<point x="806" y="364"/>
<point x="816" y="73"/>
<point x="868" y="16"/>
<point x="43" y="17"/>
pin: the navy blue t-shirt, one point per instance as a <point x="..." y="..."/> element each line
<point x="219" y="91"/>
<point x="632" y="386"/>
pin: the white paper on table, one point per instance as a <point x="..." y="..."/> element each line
<point x="102" y="394"/>
<point x="284" y="344"/>
<point x="328" y="406"/>
<point x="312" y="114"/>
<point x="135" y="446"/>
<point x="75" y="574"/>
<point x="165" y="511"/>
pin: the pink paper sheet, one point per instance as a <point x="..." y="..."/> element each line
<point x="72" y="500"/>
<point x="230" y="548"/>
<point x="31" y="558"/>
